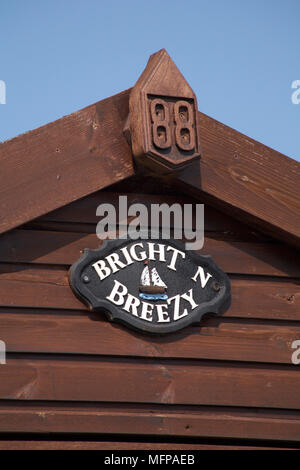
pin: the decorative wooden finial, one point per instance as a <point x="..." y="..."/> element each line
<point x="163" y="111"/>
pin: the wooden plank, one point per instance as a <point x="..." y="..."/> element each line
<point x="40" y="286"/>
<point x="247" y="179"/>
<point x="149" y="381"/>
<point x="81" y="214"/>
<point x="239" y="233"/>
<point x="117" y="445"/>
<point x="63" y="161"/>
<point x="64" y="248"/>
<point x="154" y="420"/>
<point x="242" y="176"/>
<point x="265" y="299"/>
<point x="84" y="210"/>
<point x="217" y="338"/>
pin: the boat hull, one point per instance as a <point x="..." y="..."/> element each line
<point x="153" y="289"/>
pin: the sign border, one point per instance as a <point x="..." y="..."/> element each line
<point x="216" y="306"/>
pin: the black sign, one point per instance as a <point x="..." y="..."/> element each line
<point x="154" y="286"/>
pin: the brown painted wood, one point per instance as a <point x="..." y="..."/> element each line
<point x="64" y="248"/>
<point x="149" y="381"/>
<point x="109" y="445"/>
<point x="80" y="216"/>
<point x="40" y="286"/>
<point x="247" y="179"/>
<point x="81" y="333"/>
<point x="84" y="210"/>
<point x="236" y="173"/>
<point x="240" y="234"/>
<point x="64" y="361"/>
<point x="155" y="420"/>
<point x="63" y="161"/>
<point x="259" y="298"/>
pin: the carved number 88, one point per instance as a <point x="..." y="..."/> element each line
<point x="183" y="117"/>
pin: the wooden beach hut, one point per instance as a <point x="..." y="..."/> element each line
<point x="75" y="380"/>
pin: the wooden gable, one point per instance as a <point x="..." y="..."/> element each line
<point x="75" y="380"/>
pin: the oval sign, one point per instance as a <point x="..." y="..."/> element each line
<point x="154" y="286"/>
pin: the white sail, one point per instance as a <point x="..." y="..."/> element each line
<point x="156" y="280"/>
<point x="145" y="277"/>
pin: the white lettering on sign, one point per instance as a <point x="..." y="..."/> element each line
<point x="159" y="251"/>
<point x="189" y="297"/>
<point x="101" y="269"/>
<point x="174" y="256"/>
<point x="117" y="295"/>
<point x="174" y="308"/>
<point x="156" y="251"/>
<point x="146" y="313"/>
<point x="203" y="279"/>
<point x="162" y="313"/>
<point x="171" y="310"/>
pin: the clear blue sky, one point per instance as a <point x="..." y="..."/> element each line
<point x="239" y="56"/>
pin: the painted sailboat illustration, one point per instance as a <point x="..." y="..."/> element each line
<point x="152" y="287"/>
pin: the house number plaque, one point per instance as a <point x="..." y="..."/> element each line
<point x="154" y="286"/>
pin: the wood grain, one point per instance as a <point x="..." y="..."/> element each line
<point x="246" y="179"/>
<point x="156" y="420"/>
<point x="84" y="210"/>
<point x="64" y="248"/>
<point x="80" y="216"/>
<point x="115" y="445"/>
<point x="149" y="381"/>
<point x="63" y="161"/>
<point x="81" y="333"/>
<point x="236" y="173"/>
<point x="39" y="286"/>
<point x="71" y="371"/>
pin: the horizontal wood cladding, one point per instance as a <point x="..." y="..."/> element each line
<point x="229" y="235"/>
<point x="83" y="211"/>
<point x="229" y="378"/>
<point x="40" y="286"/>
<point x="114" y="445"/>
<point x="64" y="248"/>
<point x="144" y="420"/>
<point x="80" y="216"/>
<point x="37" y="331"/>
<point x="149" y="381"/>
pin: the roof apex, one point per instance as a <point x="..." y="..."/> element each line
<point x="162" y="76"/>
<point x="163" y="117"/>
<point x="79" y="154"/>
